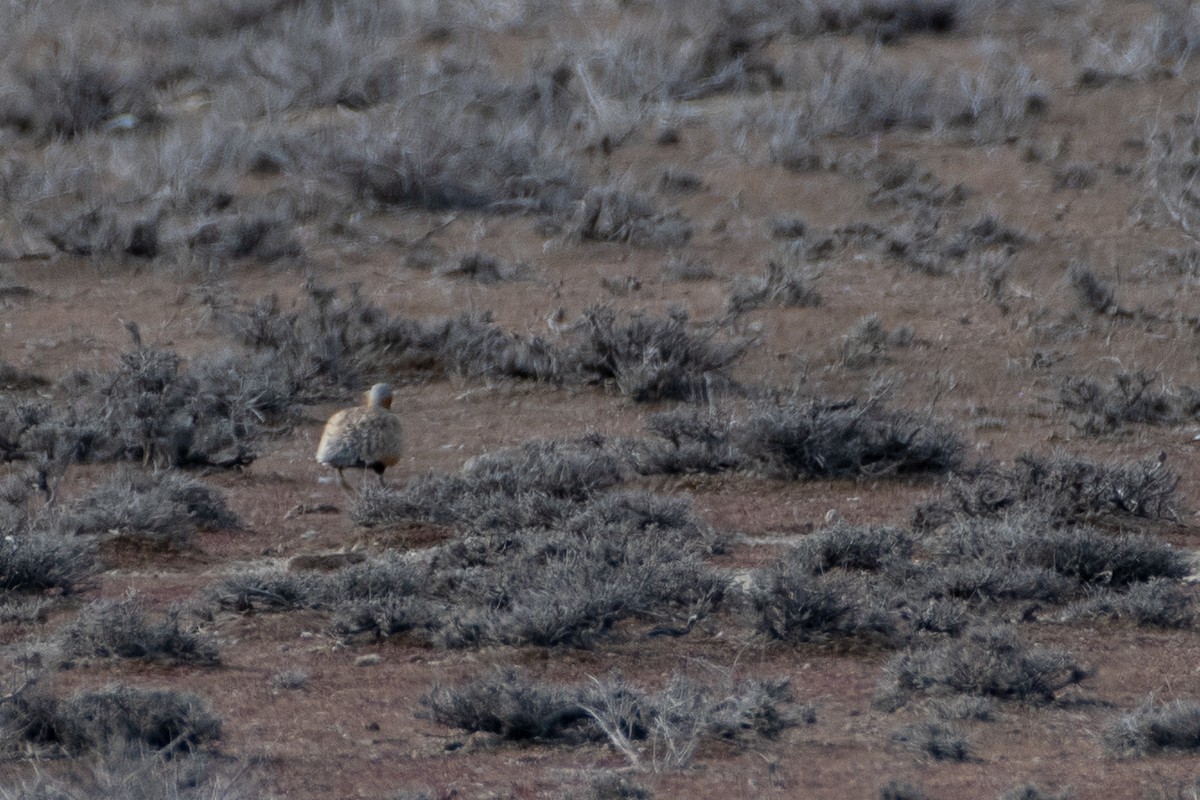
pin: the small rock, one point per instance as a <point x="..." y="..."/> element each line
<point x="369" y="660"/>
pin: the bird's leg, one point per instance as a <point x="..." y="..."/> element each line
<point x="346" y="487"/>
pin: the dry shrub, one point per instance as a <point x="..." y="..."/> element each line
<point x="904" y="183"/>
<point x="819" y="439"/>
<point x="650" y="358"/>
<point x="938" y="740"/>
<point x="536" y="484"/>
<point x="1135" y="397"/>
<point x="140" y="775"/>
<point x="1064" y="488"/>
<point x="482" y="268"/>
<point x="74" y="93"/>
<point x="118" y="718"/>
<point x="155" y="410"/>
<point x="613" y="215"/>
<point x="792" y="605"/>
<point x="247" y="592"/>
<point x="1094" y="293"/>
<point x="1154" y="728"/>
<point x="868" y="341"/>
<point x="1083" y="554"/>
<point x="688" y="268"/>
<point x="787" y="283"/>
<point x="670" y="724"/>
<point x="15" y="379"/>
<point x="333" y="342"/>
<point x="687" y="440"/>
<point x="988" y="661"/>
<point x="947" y="594"/>
<point x="557" y="587"/>
<point x="826" y="440"/>
<point x="853" y="547"/>
<point x="900" y="790"/>
<point x="165" y="508"/>
<point x="616" y="787"/>
<point x="1158" y="602"/>
<point x="536" y="562"/>
<point x="35" y="562"/>
<point x="122" y="629"/>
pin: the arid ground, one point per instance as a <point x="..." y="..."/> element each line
<point x="849" y="344"/>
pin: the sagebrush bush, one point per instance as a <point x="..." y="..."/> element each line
<point x="852" y="547"/>
<point x="787" y="283"/>
<point x="122" y="629"/>
<point x="610" y="214"/>
<point x="74" y="93"/>
<point x="900" y="790"/>
<point x="937" y="740"/>
<point x="1094" y="293"/>
<point x="332" y="342"/>
<point x="687" y="440"/>
<point x="868" y="341"/>
<point x="1132" y="397"/>
<point x="1159" y="602"/>
<point x="988" y="661"/>
<point x="509" y="703"/>
<point x="155" y="410"/>
<point x="139" y="775"/>
<point x="1030" y="791"/>
<point x="958" y="588"/>
<point x="826" y="440"/>
<point x="529" y="566"/>
<point x="269" y="590"/>
<point x="650" y="358"/>
<point x="535" y="484"/>
<point x="669" y="724"/>
<point x="1085" y="555"/>
<point x="616" y="787"/>
<point x="1065" y="488"/>
<point x="1154" y="727"/>
<point x="165" y="508"/>
<point x="116" y="718"/>
<point x="794" y="605"/>
<point x="35" y="562"/>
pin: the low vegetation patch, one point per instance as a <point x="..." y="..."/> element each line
<point x="1158" y="603"/>
<point x="1154" y="728"/>
<point x="139" y="774"/>
<point x="533" y="563"/>
<point x="794" y="606"/>
<point x="35" y="562"/>
<point x="827" y="440"/>
<point x="937" y="740"/>
<point x="787" y="283"/>
<point x="1065" y="488"/>
<point x="853" y="547"/>
<point x="118" y="718"/>
<point x="153" y="409"/>
<point x="1085" y="555"/>
<point x="121" y="629"/>
<point x="163" y="508"/>
<point x="1135" y="397"/>
<point x="988" y="661"/>
<point x="651" y="358"/>
<point x="667" y="726"/>
<point x="868" y="342"/>
<point x="610" y="214"/>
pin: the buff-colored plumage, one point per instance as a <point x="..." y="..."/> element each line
<point x="365" y="437"/>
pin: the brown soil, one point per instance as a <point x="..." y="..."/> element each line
<point x="354" y="731"/>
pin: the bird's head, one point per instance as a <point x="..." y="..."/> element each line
<point x="380" y="395"/>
